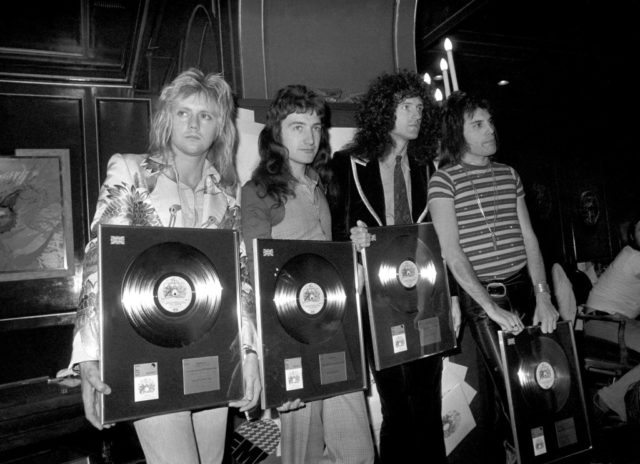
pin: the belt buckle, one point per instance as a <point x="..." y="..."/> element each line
<point x="497" y="289"/>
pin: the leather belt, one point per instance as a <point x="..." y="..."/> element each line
<point x="496" y="289"/>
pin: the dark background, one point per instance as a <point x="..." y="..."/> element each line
<point x="565" y="120"/>
<point x="84" y="74"/>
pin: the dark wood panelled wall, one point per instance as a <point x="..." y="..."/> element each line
<point x="83" y="76"/>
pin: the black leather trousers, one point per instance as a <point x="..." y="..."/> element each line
<point x="514" y="294"/>
<point x="410" y="397"/>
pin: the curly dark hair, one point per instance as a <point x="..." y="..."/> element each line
<point x="273" y="175"/>
<point x="458" y="105"/>
<point x="376" y="117"/>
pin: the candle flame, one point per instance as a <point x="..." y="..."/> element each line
<point x="444" y="65"/>
<point x="438" y="95"/>
<point x="426" y="78"/>
<point x="447" y="44"/>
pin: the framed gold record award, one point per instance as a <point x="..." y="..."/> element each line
<point x="409" y="304"/>
<point x="309" y="323"/>
<point x="170" y="318"/>
<point x="546" y="399"/>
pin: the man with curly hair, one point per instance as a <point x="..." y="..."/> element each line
<point x="396" y="138"/>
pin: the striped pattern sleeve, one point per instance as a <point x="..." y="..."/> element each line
<point x="485" y="203"/>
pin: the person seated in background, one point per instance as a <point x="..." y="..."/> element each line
<point x="617" y="293"/>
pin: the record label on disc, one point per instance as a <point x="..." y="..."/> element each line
<point x="408" y="274"/>
<point x="545" y="375"/>
<point x="174" y="294"/>
<point x="311" y="298"/>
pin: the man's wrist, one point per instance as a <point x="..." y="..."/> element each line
<point x="542" y="287"/>
<point x="248" y="351"/>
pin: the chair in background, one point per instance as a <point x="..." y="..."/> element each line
<point x="602" y="360"/>
<point x="604" y="357"/>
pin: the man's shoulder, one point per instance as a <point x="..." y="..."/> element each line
<point x="129" y="158"/>
<point x="134" y="163"/>
<point x="345" y="156"/>
<point x="250" y="190"/>
<point x="446" y="172"/>
<point x="254" y="194"/>
<point x="499" y="165"/>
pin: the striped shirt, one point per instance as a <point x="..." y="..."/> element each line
<point x="468" y="185"/>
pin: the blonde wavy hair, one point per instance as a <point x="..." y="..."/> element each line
<point x="215" y="89"/>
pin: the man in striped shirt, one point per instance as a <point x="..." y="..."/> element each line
<point x="479" y="213"/>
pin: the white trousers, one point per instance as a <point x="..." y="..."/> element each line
<point x="184" y="437"/>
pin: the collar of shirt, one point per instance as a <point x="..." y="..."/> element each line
<point x="157" y="163"/>
<point x="389" y="163"/>
<point x="311" y="178"/>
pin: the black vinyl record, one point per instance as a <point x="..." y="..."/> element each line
<point x="171" y="294"/>
<point x="309" y="298"/>
<point x="407" y="270"/>
<point x="544" y="376"/>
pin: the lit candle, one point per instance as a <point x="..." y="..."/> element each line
<point x="448" y="46"/>
<point x="426" y="78"/>
<point x="438" y="95"/>
<point x="445" y="77"/>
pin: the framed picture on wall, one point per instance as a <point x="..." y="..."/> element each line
<point x="36" y="233"/>
<point x="591" y="231"/>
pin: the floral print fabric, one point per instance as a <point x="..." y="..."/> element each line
<point x="142" y="190"/>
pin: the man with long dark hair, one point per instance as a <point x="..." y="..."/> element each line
<point x="483" y="226"/>
<point x="396" y="138"/>
<point x="285" y="200"/>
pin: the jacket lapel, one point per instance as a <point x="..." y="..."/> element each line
<point x="419" y="184"/>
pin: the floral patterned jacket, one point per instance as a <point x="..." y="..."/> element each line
<point x="141" y="190"/>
